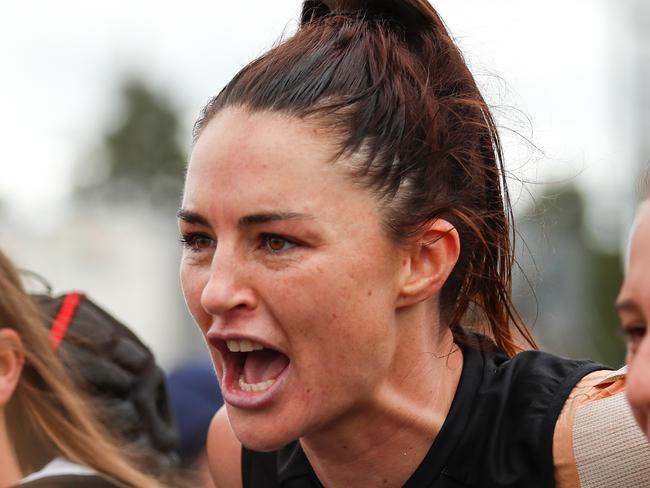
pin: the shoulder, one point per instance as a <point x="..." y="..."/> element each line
<point x="497" y="368"/>
<point x="514" y="403"/>
<point x="532" y="383"/>
<point x="534" y="365"/>
<point x="224" y="452"/>
<point x="596" y="440"/>
<point x="537" y="382"/>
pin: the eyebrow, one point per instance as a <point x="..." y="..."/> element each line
<point x="192" y="217"/>
<point x="627" y="306"/>
<point x="248" y="220"/>
<point x="263" y="218"/>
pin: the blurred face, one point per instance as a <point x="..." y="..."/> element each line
<point x="634" y="310"/>
<point x="288" y="273"/>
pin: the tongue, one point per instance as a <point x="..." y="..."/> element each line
<point x="263" y="365"/>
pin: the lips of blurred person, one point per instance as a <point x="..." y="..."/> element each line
<point x="633" y="306"/>
<point x="289" y="274"/>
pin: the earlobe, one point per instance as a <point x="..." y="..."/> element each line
<point x="11" y="363"/>
<point x="431" y="259"/>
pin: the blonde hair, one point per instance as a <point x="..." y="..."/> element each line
<point x="49" y="417"/>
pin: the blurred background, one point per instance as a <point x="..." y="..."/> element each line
<point x="98" y="99"/>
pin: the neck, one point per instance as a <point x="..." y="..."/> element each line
<point x="9" y="470"/>
<point x="384" y="440"/>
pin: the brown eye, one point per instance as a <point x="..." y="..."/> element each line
<point x="277" y="244"/>
<point x="196" y="242"/>
<point x="634" y="334"/>
<point x="202" y="242"/>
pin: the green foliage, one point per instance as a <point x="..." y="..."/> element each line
<point x="560" y="212"/>
<point x="563" y="208"/>
<point x="142" y="153"/>
<point x="604" y="279"/>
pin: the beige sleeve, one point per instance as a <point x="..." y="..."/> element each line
<point x="597" y="443"/>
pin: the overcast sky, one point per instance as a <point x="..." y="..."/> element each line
<point x="62" y="61"/>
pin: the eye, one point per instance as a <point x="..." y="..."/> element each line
<point x="277" y="244"/>
<point x="196" y="242"/>
<point x="634" y="334"/>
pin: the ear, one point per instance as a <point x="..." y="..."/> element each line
<point x="431" y="258"/>
<point x="11" y="363"/>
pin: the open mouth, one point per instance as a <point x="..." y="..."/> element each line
<point x="254" y="366"/>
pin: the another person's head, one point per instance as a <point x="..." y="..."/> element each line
<point x="119" y="373"/>
<point x="634" y="311"/>
<point x="345" y="200"/>
<point x="42" y="415"/>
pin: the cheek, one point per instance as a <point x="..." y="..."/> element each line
<point x="638" y="380"/>
<point x="629" y="355"/>
<point x="193" y="282"/>
<point x="337" y="319"/>
<point x="332" y="296"/>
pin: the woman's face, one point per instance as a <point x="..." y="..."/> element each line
<point x="286" y="258"/>
<point x="634" y="311"/>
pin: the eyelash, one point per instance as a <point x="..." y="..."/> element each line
<point x="266" y="238"/>
<point x="633" y="334"/>
<point x="190" y="242"/>
<point x="635" y="331"/>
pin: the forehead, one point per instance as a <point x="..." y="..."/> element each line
<point x="237" y="140"/>
<point x="640" y="239"/>
<point x="246" y="160"/>
<point x="637" y="277"/>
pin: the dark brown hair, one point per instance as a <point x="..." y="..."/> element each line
<point x="389" y="81"/>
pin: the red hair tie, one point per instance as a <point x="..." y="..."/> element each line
<point x="63" y="319"/>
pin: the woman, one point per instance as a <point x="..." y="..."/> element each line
<point x="633" y="307"/>
<point x="346" y="231"/>
<point x="48" y="436"/>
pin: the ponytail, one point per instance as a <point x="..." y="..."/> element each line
<point x="409" y="16"/>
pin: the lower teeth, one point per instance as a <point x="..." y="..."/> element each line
<point x="264" y="385"/>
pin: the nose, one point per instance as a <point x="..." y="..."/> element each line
<point x="228" y="288"/>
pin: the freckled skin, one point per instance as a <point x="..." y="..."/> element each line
<point x="311" y="302"/>
<point x="376" y="371"/>
<point x="636" y="290"/>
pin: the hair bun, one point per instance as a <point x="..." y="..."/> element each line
<point x="410" y="15"/>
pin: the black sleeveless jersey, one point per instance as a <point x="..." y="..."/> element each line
<point x="498" y="433"/>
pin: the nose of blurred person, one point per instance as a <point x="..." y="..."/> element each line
<point x="638" y="383"/>
<point x="228" y="290"/>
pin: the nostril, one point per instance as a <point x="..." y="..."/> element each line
<point x="219" y="297"/>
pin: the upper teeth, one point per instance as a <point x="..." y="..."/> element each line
<point x="243" y="345"/>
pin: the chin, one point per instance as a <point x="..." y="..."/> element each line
<point x="263" y="442"/>
<point x="259" y="434"/>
